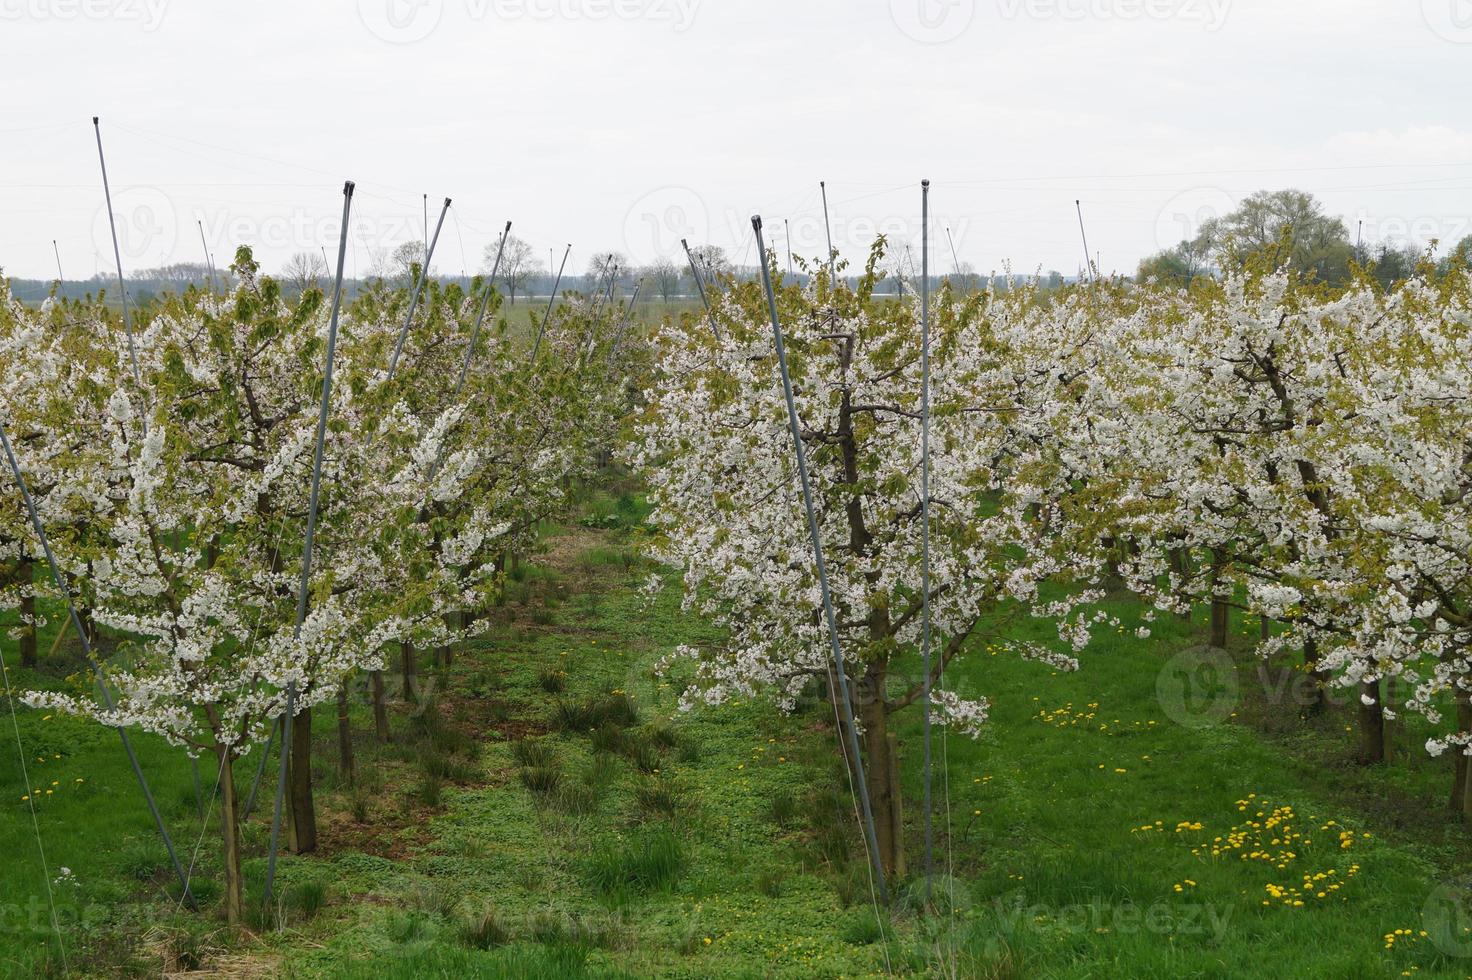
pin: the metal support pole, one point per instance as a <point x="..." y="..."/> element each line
<point x="551" y="300"/>
<point x="828" y="230"/>
<point x="118" y="255"/>
<point x="700" y="287"/>
<point x="822" y="570"/>
<point x="393" y="362"/>
<point x="311" y="535"/>
<point x="107" y="701"/>
<point x="925" y="516"/>
<point x="1088" y="262"/>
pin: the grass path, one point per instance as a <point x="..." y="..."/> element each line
<point x="554" y="816"/>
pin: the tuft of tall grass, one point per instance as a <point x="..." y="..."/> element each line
<point x="649" y="862"/>
<point x="542" y="780"/>
<point x="485" y="932"/>
<point x="534" y="753"/>
<point x="656" y="798"/>
<point x="611" y="708"/>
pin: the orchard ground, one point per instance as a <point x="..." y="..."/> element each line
<point x="545" y="811"/>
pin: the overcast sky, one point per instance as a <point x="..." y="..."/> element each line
<point x="628" y="124"/>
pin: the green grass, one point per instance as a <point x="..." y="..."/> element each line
<point x="719" y="844"/>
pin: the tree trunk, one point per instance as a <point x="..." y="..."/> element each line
<point x="380" y="710"/>
<point x="1177" y="557"/>
<point x="1311" y="661"/>
<point x="344" y="738"/>
<point x="897" y="809"/>
<point x="1392" y="726"/>
<point x="878" y="776"/>
<point x="1264" y="628"/>
<point x="230" y="831"/>
<point x="453" y="621"/>
<point x="25" y="578"/>
<point x="299" y="788"/>
<point x="1459" y="759"/>
<point x="406" y="649"/>
<point x="1372" y="724"/>
<point x="1221" y="619"/>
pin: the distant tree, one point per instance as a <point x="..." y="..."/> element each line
<point x="665" y="277"/>
<point x="965" y="279"/>
<point x="519" y="265"/>
<point x="603" y="267"/>
<point x="1315" y="242"/>
<point x="1178" y="266"/>
<point x="712" y="262"/>
<point x="1391" y="264"/>
<point x="405" y="263"/>
<point x="180" y="272"/>
<point x="1460" y="257"/>
<point x="303" y="271"/>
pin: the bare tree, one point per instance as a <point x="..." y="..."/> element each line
<point x="665" y="276"/>
<point x="602" y="267"/>
<point x="303" y="271"/>
<point x="405" y="260"/>
<point x="713" y="263"/>
<point x="518" y="265"/>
